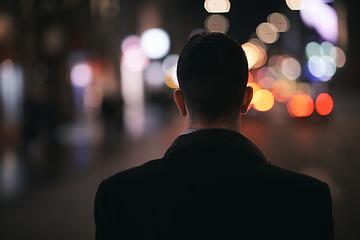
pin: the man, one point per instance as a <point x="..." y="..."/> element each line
<point x="212" y="181"/>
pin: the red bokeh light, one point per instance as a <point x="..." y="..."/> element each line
<point x="300" y="105"/>
<point x="324" y="104"/>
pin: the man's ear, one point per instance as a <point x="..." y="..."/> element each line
<point x="247" y="99"/>
<point x="179" y="100"/>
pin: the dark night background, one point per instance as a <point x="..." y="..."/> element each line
<point x="55" y="153"/>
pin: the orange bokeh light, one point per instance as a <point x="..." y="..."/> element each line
<point x="256" y="87"/>
<point x="262" y="57"/>
<point x="324" y="104"/>
<point x="251" y="52"/>
<point x="300" y="105"/>
<point x="263" y="100"/>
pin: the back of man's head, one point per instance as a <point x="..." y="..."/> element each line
<point x="212" y="73"/>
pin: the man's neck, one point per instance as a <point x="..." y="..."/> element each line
<point x="231" y="125"/>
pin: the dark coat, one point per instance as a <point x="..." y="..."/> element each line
<point x="212" y="184"/>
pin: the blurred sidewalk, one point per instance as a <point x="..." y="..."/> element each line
<point x="64" y="208"/>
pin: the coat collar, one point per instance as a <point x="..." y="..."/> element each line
<point x="215" y="137"/>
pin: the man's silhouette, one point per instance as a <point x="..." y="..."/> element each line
<point x="212" y="183"/>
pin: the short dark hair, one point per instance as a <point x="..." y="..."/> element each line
<point x="212" y="72"/>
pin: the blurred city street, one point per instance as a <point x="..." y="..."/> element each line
<point x="86" y="90"/>
<point x="326" y="148"/>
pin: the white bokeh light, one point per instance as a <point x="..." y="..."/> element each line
<point x="267" y="32"/>
<point x="314" y="49"/>
<point x="170" y="61"/>
<point x="81" y="75"/>
<point x="155" y="43"/>
<point x="322" y="17"/>
<point x="134" y="59"/>
<point x="6" y="68"/>
<point x="295" y="4"/>
<point x="317" y="66"/>
<point x="280" y="21"/>
<point x="217" y="6"/>
<point x="216" y="23"/>
<point x="129" y="41"/>
<point x="338" y="55"/>
<point x="330" y="66"/>
<point x="291" y="68"/>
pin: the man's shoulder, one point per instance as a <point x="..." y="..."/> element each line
<point x="167" y="167"/>
<point x="136" y="174"/>
<point x="275" y="175"/>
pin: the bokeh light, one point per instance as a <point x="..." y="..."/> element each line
<point x="216" y="23"/>
<point x="263" y="100"/>
<point x="323" y="60"/>
<point x="81" y="75"/>
<point x="275" y="61"/>
<point x="281" y="91"/>
<point x="171" y="78"/>
<point x="129" y="41"/>
<point x="330" y="66"/>
<point x="134" y="59"/>
<point x="266" y="77"/>
<point x="319" y="15"/>
<point x="259" y="43"/>
<point x="314" y="49"/>
<point x="267" y="32"/>
<point x="326" y="47"/>
<point x="256" y="87"/>
<point x="217" y="6"/>
<point x="170" y="61"/>
<point x="256" y="55"/>
<point x="338" y="55"/>
<point x="280" y="21"/>
<point x="251" y="54"/>
<point x="92" y="96"/>
<point x="6" y="68"/>
<point x="154" y="74"/>
<point x="266" y="72"/>
<point x="11" y="91"/>
<point x="317" y="66"/>
<point x="324" y="104"/>
<point x="261" y="57"/>
<point x="155" y="43"/>
<point x="267" y="82"/>
<point x="295" y="4"/>
<point x="323" y="68"/>
<point x="300" y="105"/>
<point x="291" y="68"/>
